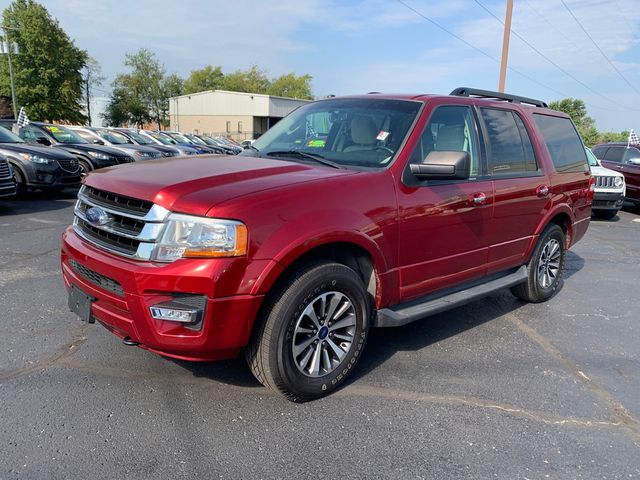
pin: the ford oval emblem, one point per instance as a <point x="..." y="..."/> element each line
<point x="97" y="216"/>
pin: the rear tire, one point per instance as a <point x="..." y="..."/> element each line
<point x="311" y="333"/>
<point x="544" y="268"/>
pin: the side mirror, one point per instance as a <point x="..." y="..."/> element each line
<point x="634" y="161"/>
<point x="442" y="165"/>
<point x="43" y="141"/>
<point x="97" y="141"/>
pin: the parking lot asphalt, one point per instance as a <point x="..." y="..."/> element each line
<point x="494" y="389"/>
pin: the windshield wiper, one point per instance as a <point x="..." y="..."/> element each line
<point x="310" y="156"/>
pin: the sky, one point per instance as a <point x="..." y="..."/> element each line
<point x="358" y="46"/>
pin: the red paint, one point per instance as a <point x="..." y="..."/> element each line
<point x="420" y="239"/>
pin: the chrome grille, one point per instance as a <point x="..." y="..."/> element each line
<point x="70" y="165"/>
<point x="605" y="181"/>
<point x="130" y="226"/>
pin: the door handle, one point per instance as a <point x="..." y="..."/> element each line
<point x="477" y="199"/>
<point x="542" y="191"/>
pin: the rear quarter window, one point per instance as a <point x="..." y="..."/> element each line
<point x="599" y="152"/>
<point x="564" y="143"/>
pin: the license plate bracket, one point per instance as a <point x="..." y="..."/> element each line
<point x="80" y="304"/>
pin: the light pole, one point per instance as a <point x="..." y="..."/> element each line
<point x="13" y="86"/>
<point x="505" y="46"/>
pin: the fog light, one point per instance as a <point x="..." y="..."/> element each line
<point x="174" y="314"/>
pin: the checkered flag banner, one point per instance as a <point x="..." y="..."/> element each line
<point x="23" y="120"/>
<point x="633" y="139"/>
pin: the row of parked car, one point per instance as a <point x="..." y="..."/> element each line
<point x="53" y="157"/>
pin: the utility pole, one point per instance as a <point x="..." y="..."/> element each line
<point x="505" y="45"/>
<point x="13" y="86"/>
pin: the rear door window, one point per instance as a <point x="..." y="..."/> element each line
<point x="510" y="149"/>
<point x="599" y="152"/>
<point x="564" y="143"/>
<point x="614" y="154"/>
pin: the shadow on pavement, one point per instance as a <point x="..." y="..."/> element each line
<point x="34" y="202"/>
<point x="232" y="372"/>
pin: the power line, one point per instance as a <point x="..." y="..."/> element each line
<point x="599" y="49"/>
<point x="568" y="74"/>
<point x="524" y="75"/>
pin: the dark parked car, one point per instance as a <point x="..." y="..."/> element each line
<point x="139" y="139"/>
<point x="7" y="182"/>
<point x="350" y="213"/>
<point x="113" y="139"/>
<point x="38" y="167"/>
<point x="179" y="139"/>
<point x="198" y="140"/>
<point x="626" y="160"/>
<point x="90" y="156"/>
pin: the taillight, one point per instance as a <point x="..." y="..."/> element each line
<point x="592" y="188"/>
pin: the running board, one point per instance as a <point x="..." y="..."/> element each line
<point x="395" y="317"/>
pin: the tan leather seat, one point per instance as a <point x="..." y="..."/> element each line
<point x="450" y="138"/>
<point x="363" y="134"/>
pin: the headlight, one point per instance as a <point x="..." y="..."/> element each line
<point x="185" y="236"/>
<point x="100" y="155"/>
<point x="141" y="154"/>
<point x="35" y="158"/>
<point x="619" y="181"/>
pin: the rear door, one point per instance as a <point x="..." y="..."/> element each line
<point x="444" y="224"/>
<point x="520" y="184"/>
<point x="631" y="171"/>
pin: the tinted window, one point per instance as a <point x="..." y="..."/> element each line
<point x="599" y="152"/>
<point x="31" y="134"/>
<point x="630" y="153"/>
<point x="614" y="154"/>
<point x="450" y="128"/>
<point x="510" y="149"/>
<point x="564" y="143"/>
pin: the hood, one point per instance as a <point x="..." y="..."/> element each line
<point x="90" y="147"/>
<point x="196" y="184"/>
<point x="605" y="172"/>
<point x="48" y="152"/>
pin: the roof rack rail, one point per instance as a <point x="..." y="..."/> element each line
<point x="468" y="92"/>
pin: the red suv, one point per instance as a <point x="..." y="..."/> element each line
<point x="350" y="213"/>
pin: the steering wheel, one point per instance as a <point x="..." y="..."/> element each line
<point x="384" y="149"/>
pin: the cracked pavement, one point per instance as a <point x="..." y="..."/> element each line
<point x="497" y="388"/>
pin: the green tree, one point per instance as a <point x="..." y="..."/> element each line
<point x="92" y="78"/>
<point x="253" y="80"/>
<point x="207" y="78"/>
<point x="142" y="94"/>
<point x="48" y="67"/>
<point x="288" y="85"/>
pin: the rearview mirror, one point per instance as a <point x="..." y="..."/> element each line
<point x="442" y="165"/>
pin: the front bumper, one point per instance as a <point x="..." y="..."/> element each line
<point x="229" y="312"/>
<point x="607" y="200"/>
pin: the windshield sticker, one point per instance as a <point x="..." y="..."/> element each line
<point x="382" y="136"/>
<point x="54" y="129"/>
<point x="316" y="143"/>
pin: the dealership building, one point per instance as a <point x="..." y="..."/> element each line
<point x="234" y="114"/>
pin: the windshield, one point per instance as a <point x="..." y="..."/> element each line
<point x="161" y="138"/>
<point x="197" y="140"/>
<point x="593" y="161"/>
<point x="141" y="139"/>
<point x="208" y="140"/>
<point x="7" y="136"/>
<point x="64" y="135"/>
<point x="113" y="137"/>
<point x="364" y="132"/>
<point x="180" y="138"/>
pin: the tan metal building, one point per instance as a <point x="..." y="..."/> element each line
<point x="231" y="114"/>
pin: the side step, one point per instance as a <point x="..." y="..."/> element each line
<point x="395" y="317"/>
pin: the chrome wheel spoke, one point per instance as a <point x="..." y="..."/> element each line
<point x="317" y="347"/>
<point x="348" y="321"/>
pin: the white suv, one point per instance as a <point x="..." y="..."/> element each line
<point x="610" y="189"/>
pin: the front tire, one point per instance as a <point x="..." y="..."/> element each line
<point x="312" y="332"/>
<point x="544" y="268"/>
